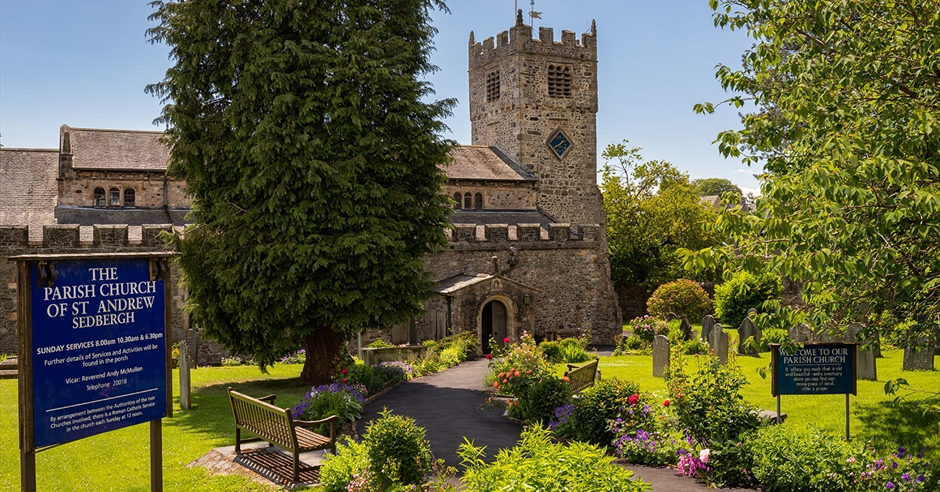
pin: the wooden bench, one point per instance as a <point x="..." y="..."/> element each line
<point x="580" y="377"/>
<point x="258" y="416"/>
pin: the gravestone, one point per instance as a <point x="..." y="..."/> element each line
<point x="751" y="312"/>
<point x="686" y="328"/>
<point x="660" y="356"/>
<point x="745" y="331"/>
<point x="919" y="357"/>
<point x="800" y="333"/>
<point x="708" y="322"/>
<point x="671" y="316"/>
<point x="718" y="341"/>
<point x="865" y="360"/>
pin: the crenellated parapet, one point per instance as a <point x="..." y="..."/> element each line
<point x="519" y="39"/>
<point x="501" y="236"/>
<point x="21" y="239"/>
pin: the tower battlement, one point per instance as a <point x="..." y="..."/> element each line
<point x="519" y="39"/>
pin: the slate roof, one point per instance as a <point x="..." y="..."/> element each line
<point x="28" y="188"/>
<point x="87" y="216"/>
<point x="501" y="217"/>
<point x="450" y="285"/>
<point x="481" y="163"/>
<point x="116" y="149"/>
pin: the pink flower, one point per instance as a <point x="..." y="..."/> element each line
<point x="633" y="399"/>
<point x="703" y="455"/>
<point x="666" y="403"/>
<point x="506" y="340"/>
<point x="345" y="380"/>
<point x="489" y="356"/>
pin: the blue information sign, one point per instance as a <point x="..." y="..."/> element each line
<point x="99" y="354"/>
<point x="815" y="369"/>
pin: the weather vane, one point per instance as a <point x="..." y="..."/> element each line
<point x="532" y="13"/>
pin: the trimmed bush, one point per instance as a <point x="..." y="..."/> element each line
<point x="744" y="291"/>
<point x="398" y="451"/>
<point x="683" y="297"/>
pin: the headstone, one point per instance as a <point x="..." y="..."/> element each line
<point x="185" y="386"/>
<point x="800" y="333"/>
<point x="718" y="341"/>
<point x="708" y="322"/>
<point x="660" y="356"/>
<point x="745" y="331"/>
<point x="686" y="328"/>
<point x="751" y="313"/>
<point x="920" y="356"/>
<point x="865" y="363"/>
<point x="671" y="316"/>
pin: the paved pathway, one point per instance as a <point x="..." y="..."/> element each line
<point x="452" y="404"/>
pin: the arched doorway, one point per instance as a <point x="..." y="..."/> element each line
<point x="494" y="323"/>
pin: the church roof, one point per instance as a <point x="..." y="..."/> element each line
<point x="115" y="149"/>
<point x="28" y="187"/>
<point x="87" y="216"/>
<point x="450" y="285"/>
<point x="484" y="216"/>
<point x="482" y="163"/>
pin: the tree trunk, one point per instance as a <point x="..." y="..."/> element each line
<point x="324" y="352"/>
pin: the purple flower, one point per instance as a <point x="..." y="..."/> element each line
<point x="920" y="478"/>
<point x="894" y="465"/>
<point x="906" y="477"/>
<point x="889" y="485"/>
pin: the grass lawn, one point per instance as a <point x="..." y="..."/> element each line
<point x="873" y="416"/>
<point x="120" y="460"/>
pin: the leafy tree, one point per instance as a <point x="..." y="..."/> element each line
<point x="716" y="186"/>
<point x="303" y="134"/>
<point x="651" y="212"/>
<point x="846" y="129"/>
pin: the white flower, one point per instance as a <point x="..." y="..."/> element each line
<point x="703" y="455"/>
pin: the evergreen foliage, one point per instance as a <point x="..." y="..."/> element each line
<point x="744" y="291"/>
<point x="313" y="161"/>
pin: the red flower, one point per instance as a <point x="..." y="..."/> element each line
<point x="345" y="380"/>
<point x="344" y="371"/>
<point x="506" y="340"/>
<point x="666" y="403"/>
<point x="489" y="356"/>
<point x="633" y="399"/>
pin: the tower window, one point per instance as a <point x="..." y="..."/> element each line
<point x="559" y="81"/>
<point x="99" y="197"/>
<point x="458" y="199"/>
<point x="129" y="197"/>
<point x="114" y="197"/>
<point x="492" y="86"/>
<point x="478" y="201"/>
<point x="467" y="201"/>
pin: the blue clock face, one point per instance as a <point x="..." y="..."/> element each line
<point x="559" y="143"/>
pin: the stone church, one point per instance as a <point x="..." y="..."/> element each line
<point x="528" y="248"/>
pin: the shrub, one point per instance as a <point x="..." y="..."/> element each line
<point x="744" y="291"/>
<point x="538" y="463"/>
<point x="708" y="402"/>
<point x="597" y="406"/>
<point x="642" y="433"/>
<point x="398" y="451"/>
<point x="551" y="350"/>
<point x="566" y="350"/>
<point x="730" y="465"/>
<point x="522" y="365"/>
<point x="538" y="403"/>
<point x="338" y="399"/>
<point x="350" y="462"/>
<point x="359" y="373"/>
<point x="647" y="327"/>
<point x="786" y="459"/>
<point x="380" y="344"/>
<point x="392" y="373"/>
<point x="632" y="344"/>
<point x="683" y="297"/>
<point x="694" y="347"/>
<point x="298" y="357"/>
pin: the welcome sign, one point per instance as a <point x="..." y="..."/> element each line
<point x="815" y="369"/>
<point x="98" y="347"/>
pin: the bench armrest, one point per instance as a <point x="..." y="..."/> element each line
<point x="268" y="399"/>
<point x="332" y="419"/>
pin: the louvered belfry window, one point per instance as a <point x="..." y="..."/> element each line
<point x="559" y="81"/>
<point x="492" y="86"/>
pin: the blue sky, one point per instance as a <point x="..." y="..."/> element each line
<point x="85" y="63"/>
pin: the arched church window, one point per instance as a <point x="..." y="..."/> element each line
<point x="129" y="197"/>
<point x="99" y="197"/>
<point x="458" y="199"/>
<point x="478" y="201"/>
<point x="114" y="197"/>
<point x="467" y="201"/>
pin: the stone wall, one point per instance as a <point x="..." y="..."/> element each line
<point x="66" y="239"/>
<point x="498" y="196"/>
<point x="77" y="188"/>
<point x="567" y="272"/>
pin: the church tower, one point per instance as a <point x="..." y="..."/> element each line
<point x="536" y="99"/>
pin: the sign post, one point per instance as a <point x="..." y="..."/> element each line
<point x="93" y="350"/>
<point x="815" y="369"/>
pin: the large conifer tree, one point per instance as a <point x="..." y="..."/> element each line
<point x="302" y="131"/>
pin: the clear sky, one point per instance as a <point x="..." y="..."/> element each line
<point x="85" y="63"/>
